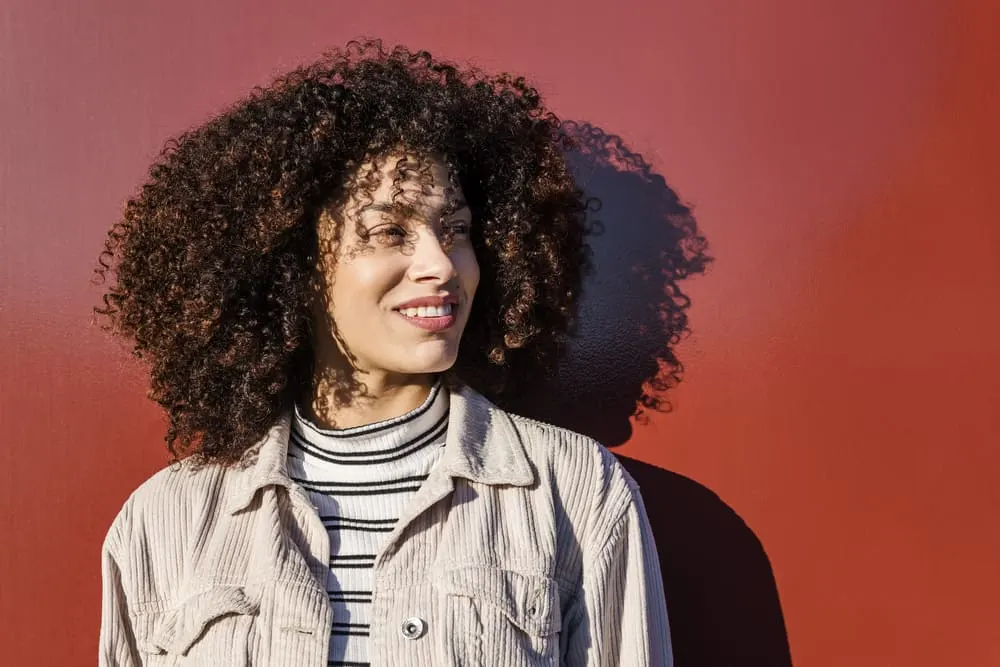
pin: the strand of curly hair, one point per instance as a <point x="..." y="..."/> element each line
<point x="212" y="258"/>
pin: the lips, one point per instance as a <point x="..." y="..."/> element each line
<point x="435" y="301"/>
<point x="430" y="313"/>
<point x="429" y="318"/>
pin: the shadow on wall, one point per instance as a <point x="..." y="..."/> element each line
<point x="721" y="594"/>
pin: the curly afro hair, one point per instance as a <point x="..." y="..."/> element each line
<point x="212" y="258"/>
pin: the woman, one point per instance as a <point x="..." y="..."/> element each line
<point x="336" y="282"/>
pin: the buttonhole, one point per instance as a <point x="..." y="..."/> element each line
<point x="533" y="604"/>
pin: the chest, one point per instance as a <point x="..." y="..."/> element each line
<point x="471" y="575"/>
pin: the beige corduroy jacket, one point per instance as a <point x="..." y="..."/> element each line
<point x="527" y="545"/>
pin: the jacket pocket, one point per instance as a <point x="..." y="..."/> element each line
<point x="496" y="616"/>
<point x="211" y="628"/>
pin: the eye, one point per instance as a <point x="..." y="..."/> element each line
<point x="388" y="234"/>
<point x="458" y="227"/>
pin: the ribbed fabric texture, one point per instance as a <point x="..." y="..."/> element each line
<point x="361" y="480"/>
<point x="527" y="545"/>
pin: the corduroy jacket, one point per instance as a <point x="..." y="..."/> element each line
<point x="527" y="545"/>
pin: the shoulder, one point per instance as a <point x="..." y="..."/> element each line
<point x="585" y="474"/>
<point x="171" y="498"/>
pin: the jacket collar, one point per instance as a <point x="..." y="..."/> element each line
<point x="481" y="445"/>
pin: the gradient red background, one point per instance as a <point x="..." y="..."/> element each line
<point x="841" y="392"/>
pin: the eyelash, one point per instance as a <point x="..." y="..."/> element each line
<point x="388" y="235"/>
<point x="459" y="227"/>
<point x="389" y="230"/>
<point x="392" y="232"/>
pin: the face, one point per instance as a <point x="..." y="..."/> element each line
<point x="399" y="282"/>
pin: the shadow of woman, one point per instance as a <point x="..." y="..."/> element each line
<point x="721" y="593"/>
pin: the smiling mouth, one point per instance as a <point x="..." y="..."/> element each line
<point x="428" y="311"/>
<point x="430" y="318"/>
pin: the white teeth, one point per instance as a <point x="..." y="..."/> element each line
<point x="428" y="311"/>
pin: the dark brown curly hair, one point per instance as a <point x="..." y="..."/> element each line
<point x="212" y="258"/>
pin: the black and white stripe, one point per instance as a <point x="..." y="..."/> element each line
<point x="362" y="479"/>
<point x="352" y="561"/>
<point x="376" y="456"/>
<point x="351" y="629"/>
<point x="376" y="488"/>
<point x="350" y="596"/>
<point x="342" y="523"/>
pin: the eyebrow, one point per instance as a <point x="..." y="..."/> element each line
<point x="383" y="207"/>
<point x="395" y="207"/>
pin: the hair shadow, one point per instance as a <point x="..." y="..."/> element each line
<point x="721" y="594"/>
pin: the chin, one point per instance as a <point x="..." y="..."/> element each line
<point x="429" y="356"/>
<point x="429" y="365"/>
<point x="439" y="367"/>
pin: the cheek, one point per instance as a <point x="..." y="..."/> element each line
<point x="467" y="267"/>
<point x="363" y="281"/>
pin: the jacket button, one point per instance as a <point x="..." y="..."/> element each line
<point x="413" y="628"/>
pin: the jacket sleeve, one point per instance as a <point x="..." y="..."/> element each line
<point x="117" y="643"/>
<point x="619" y="617"/>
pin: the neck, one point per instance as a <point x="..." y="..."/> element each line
<point x="382" y="396"/>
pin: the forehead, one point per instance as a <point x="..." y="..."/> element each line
<point x="403" y="179"/>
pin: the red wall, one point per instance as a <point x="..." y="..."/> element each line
<point x="841" y="393"/>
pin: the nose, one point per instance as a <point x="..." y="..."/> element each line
<point x="431" y="261"/>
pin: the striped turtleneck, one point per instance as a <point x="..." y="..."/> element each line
<point x="360" y="480"/>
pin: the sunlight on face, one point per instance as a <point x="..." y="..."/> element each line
<point x="399" y="282"/>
